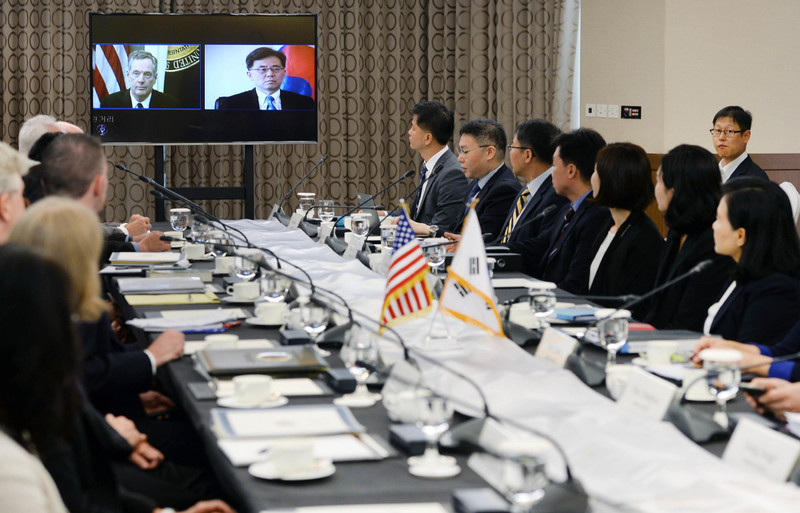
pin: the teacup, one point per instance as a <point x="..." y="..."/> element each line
<point x="292" y="455"/>
<point x="252" y="389"/>
<point x="194" y="250"/>
<point x="660" y="351"/>
<point x="270" y="313"/>
<point x="221" y="341"/>
<point x="222" y="265"/>
<point x="244" y="291"/>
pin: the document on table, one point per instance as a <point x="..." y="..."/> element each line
<point x="284" y="386"/>
<point x="186" y="322"/>
<point x="314" y="420"/>
<point x="362" y="447"/>
<point x="517" y="283"/>
<point x="145" y="258"/>
<point x="206" y="297"/>
<point x="163" y="285"/>
<point x="192" y="346"/>
<point x="422" y="507"/>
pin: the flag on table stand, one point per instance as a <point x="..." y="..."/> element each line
<point x="467" y="293"/>
<point x="407" y="292"/>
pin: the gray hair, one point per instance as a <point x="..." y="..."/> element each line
<point x="12" y="164"/>
<point x="33" y="128"/>
<point x="137" y="55"/>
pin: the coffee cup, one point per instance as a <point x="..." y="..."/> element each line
<point x="221" y="341"/>
<point x="660" y="351"/>
<point x="222" y="265"/>
<point x="252" y="389"/>
<point x="270" y="313"/>
<point x="292" y="455"/>
<point x="244" y="291"/>
<point x="194" y="250"/>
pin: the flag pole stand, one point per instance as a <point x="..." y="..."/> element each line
<point x="430" y="336"/>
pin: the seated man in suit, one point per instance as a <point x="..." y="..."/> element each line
<point x="73" y="165"/>
<point x="531" y="156"/>
<point x="266" y="68"/>
<point x="481" y="151"/>
<point x="142" y="75"/>
<point x="730" y="135"/>
<point x="440" y="197"/>
<point x="13" y="166"/>
<point x="570" y="250"/>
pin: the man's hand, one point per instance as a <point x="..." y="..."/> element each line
<point x="167" y="347"/>
<point x="152" y="242"/>
<point x="146" y="457"/>
<point x="214" y="506"/>
<point x="422" y="230"/>
<point x="138" y="226"/>
<point x="126" y="429"/>
<point x="155" y="402"/>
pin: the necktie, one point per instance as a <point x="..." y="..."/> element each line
<point x="418" y="200"/>
<point x="557" y="245"/>
<point x="517" y="211"/>
<point x="270" y="103"/>
<point x="472" y="193"/>
<point x="139" y="105"/>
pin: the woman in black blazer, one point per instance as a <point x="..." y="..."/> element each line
<point x="688" y="188"/>
<point x="755" y="227"/>
<point x="629" y="245"/>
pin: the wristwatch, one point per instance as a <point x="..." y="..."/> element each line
<point x="432" y="229"/>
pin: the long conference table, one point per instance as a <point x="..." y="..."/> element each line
<point x="624" y="461"/>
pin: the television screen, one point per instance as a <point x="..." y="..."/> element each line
<point x="203" y="78"/>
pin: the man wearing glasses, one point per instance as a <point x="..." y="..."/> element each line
<point x="142" y="75"/>
<point x="266" y="68"/>
<point x="730" y="135"/>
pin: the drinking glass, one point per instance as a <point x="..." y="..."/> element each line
<point x="306" y="200"/>
<point x="179" y="218"/>
<point x="387" y="237"/>
<point x="274" y="286"/>
<point x="244" y="264"/>
<point x="525" y="475"/>
<point x="435" y="254"/>
<point x="218" y="243"/>
<point x="360" y="348"/>
<point x="723" y="376"/>
<point x="612" y="333"/>
<point x="315" y="320"/>
<point x="199" y="231"/>
<point x="326" y="210"/>
<point x="433" y="414"/>
<point x="359" y="225"/>
<point x="543" y="302"/>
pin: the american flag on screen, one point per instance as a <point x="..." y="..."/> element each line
<point x="407" y="292"/>
<point x="108" y="74"/>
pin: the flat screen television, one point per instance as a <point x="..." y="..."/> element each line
<point x="203" y="78"/>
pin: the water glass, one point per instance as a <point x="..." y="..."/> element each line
<point x="613" y="334"/>
<point x="723" y="376"/>
<point x="360" y="225"/>
<point x="179" y="218"/>
<point x="326" y="210"/>
<point x="306" y="200"/>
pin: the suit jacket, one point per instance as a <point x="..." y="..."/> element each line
<point x="748" y="168"/>
<point x="528" y="226"/>
<point x="114" y="241"/>
<point x="685" y="304"/>
<point x="761" y="310"/>
<point x="569" y="266"/>
<point x="630" y="263"/>
<point x="443" y="202"/>
<point x="122" y="100"/>
<point x="494" y="200"/>
<point x="249" y="100"/>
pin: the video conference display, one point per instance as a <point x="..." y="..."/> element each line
<point x="203" y="79"/>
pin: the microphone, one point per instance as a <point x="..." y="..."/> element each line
<point x="279" y="207"/>
<point x="393" y="210"/>
<point x="406" y="175"/>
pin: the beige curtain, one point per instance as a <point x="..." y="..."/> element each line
<point x="503" y="59"/>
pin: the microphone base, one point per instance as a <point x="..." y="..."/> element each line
<point x="566" y="497"/>
<point x="520" y="334"/>
<point x="336" y="334"/>
<point x="698" y="426"/>
<point x="591" y="373"/>
<point x="282" y="218"/>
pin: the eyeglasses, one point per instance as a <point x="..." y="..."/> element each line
<point x="462" y="151"/>
<point x="716" y="132"/>
<point x="137" y="74"/>
<point x="510" y="146"/>
<point x="263" y="70"/>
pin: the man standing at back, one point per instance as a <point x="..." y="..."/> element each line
<point x="440" y="198"/>
<point x="730" y="135"/>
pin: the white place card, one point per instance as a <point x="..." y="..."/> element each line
<point x="420" y="507"/>
<point x="294" y="222"/>
<point x="353" y="247"/>
<point x="647" y="394"/>
<point x="325" y="230"/>
<point x="556" y="346"/>
<point x="273" y="211"/>
<point x="762" y="450"/>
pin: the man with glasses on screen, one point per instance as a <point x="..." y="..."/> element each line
<point x="730" y="135"/>
<point x="142" y="75"/>
<point x="266" y="68"/>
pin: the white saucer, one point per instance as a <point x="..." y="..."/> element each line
<point x="232" y="401"/>
<point x="266" y="470"/>
<point x="233" y="300"/>
<point x="255" y="321"/>
<point x="644" y="362"/>
<point x="358" y="400"/>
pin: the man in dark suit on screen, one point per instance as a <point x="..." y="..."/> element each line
<point x="266" y="68"/>
<point x="142" y="75"/>
<point x="730" y="135"/>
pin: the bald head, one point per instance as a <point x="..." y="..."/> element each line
<point x="37" y="126"/>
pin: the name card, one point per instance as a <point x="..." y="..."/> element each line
<point x="294" y="222"/>
<point x="353" y="246"/>
<point x="647" y="394"/>
<point x="762" y="450"/>
<point x="556" y="346"/>
<point x="273" y="211"/>
<point x="325" y="229"/>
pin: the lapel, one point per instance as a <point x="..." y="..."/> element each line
<point x="725" y="306"/>
<point x="535" y="201"/>
<point x="557" y="233"/>
<point x="431" y="182"/>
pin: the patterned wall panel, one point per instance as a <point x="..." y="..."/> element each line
<point x="376" y="59"/>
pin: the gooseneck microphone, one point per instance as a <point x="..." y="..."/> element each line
<point x="396" y="207"/>
<point x="279" y="207"/>
<point x="405" y="176"/>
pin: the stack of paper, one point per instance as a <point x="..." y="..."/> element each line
<point x="207" y="318"/>
<point x="166" y="285"/>
<point x="309" y="420"/>
<point x="145" y="258"/>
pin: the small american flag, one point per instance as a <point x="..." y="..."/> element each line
<point x="407" y="292"/>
